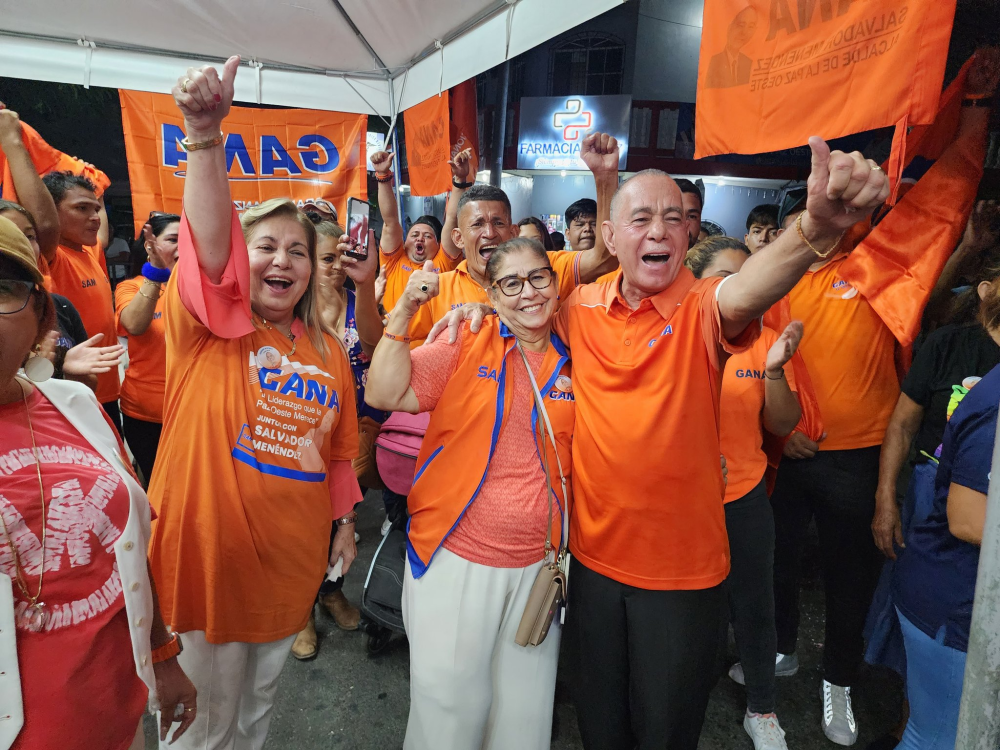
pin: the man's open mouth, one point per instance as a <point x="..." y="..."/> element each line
<point x="486" y="251"/>
<point x="656" y="258"/>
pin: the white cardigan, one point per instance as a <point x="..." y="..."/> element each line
<point x="79" y="405"/>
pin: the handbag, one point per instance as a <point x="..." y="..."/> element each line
<point x="548" y="593"/>
<point x="397" y="447"/>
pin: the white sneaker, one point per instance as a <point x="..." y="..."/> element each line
<point x="838" y="716"/>
<point x="765" y="731"/>
<point x="785" y="665"/>
<point x="386" y="526"/>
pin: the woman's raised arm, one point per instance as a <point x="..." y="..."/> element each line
<point x="204" y="99"/>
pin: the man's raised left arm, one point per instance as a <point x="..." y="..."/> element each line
<point x="842" y="190"/>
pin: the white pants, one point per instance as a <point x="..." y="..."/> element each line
<point x="471" y="686"/>
<point x="236" y="684"/>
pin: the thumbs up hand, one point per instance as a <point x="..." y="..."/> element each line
<point x="422" y="286"/>
<point x="843" y="189"/>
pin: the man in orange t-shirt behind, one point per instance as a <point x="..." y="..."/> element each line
<point x="851" y="356"/>
<point x="401" y="255"/>
<point x="77" y="273"/>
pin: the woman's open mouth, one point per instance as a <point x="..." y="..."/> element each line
<point x="278" y="284"/>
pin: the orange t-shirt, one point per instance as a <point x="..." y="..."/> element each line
<point x="146" y="376"/>
<point x="78" y="276"/>
<point x="742" y="433"/>
<point x="647" y="476"/>
<point x="251" y="431"/>
<point x="458" y="288"/>
<point x="399" y="268"/>
<point x="851" y="356"/>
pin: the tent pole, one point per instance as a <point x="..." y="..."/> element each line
<point x="394" y="147"/>
<point x="500" y="133"/>
<point x="361" y="37"/>
<point x="979" y="716"/>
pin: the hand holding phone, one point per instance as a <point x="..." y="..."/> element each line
<point x="358" y="212"/>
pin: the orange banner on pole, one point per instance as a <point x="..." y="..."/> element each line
<point x="796" y="68"/>
<point x="47" y="159"/>
<point x="301" y="154"/>
<point x="464" y="128"/>
<point x="428" y="146"/>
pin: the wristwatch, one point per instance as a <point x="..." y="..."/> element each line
<point x="350" y="518"/>
<point x="463" y="185"/>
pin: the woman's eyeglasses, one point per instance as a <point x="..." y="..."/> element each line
<point x="14" y="295"/>
<point x="511" y="286"/>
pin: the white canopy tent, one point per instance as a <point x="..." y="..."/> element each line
<point x="367" y="56"/>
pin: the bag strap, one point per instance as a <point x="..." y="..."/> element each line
<point x="544" y="416"/>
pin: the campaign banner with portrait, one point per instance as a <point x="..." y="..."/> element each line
<point x="552" y="128"/>
<point x="302" y="154"/>
<point x="796" y="68"/>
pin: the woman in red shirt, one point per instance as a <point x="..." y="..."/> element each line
<point x="757" y="395"/>
<point x="82" y="643"/>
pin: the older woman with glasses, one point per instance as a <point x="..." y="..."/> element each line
<point x="484" y="516"/>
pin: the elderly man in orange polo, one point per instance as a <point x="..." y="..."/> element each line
<point x="647" y="610"/>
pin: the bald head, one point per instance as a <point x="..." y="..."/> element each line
<point x="632" y="193"/>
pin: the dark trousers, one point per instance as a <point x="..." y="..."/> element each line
<point x="750" y="525"/>
<point x="143" y="439"/>
<point x="645" y="661"/>
<point x="837" y="488"/>
<point x="114" y="414"/>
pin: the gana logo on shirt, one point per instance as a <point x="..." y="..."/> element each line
<point x="306" y="389"/>
<point x="842" y="289"/>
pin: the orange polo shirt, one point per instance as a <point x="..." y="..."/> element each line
<point x="146" y="376"/>
<point x="742" y="434"/>
<point x="458" y="288"/>
<point x="78" y="276"/>
<point x="399" y="268"/>
<point x="851" y="356"/>
<point x="647" y="479"/>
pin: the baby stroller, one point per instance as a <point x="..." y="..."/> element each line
<point x="396" y="452"/>
<point x="382" y="599"/>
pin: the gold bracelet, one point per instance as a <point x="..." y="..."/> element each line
<point x="802" y="236"/>
<point x="152" y="299"/>
<point x="188" y="146"/>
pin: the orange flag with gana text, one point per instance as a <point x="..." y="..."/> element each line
<point x="300" y="154"/>
<point x="796" y="68"/>
<point x="428" y="146"/>
<point x="47" y="159"/>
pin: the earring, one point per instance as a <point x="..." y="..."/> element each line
<point x="38" y="369"/>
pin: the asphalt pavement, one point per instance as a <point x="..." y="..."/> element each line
<point x="347" y="699"/>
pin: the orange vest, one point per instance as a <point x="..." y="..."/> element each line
<point x="464" y="429"/>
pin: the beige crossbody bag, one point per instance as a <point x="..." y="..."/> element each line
<point x="548" y="593"/>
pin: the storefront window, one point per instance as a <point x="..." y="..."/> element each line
<point x="588" y="64"/>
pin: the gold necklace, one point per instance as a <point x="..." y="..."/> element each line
<point x="269" y="327"/>
<point x="35" y="616"/>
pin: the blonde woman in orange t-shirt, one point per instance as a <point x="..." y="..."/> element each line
<point x="139" y="316"/>
<point x="757" y="395"/>
<point x="260" y="426"/>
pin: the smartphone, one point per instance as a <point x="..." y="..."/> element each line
<point x="358" y="212"/>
